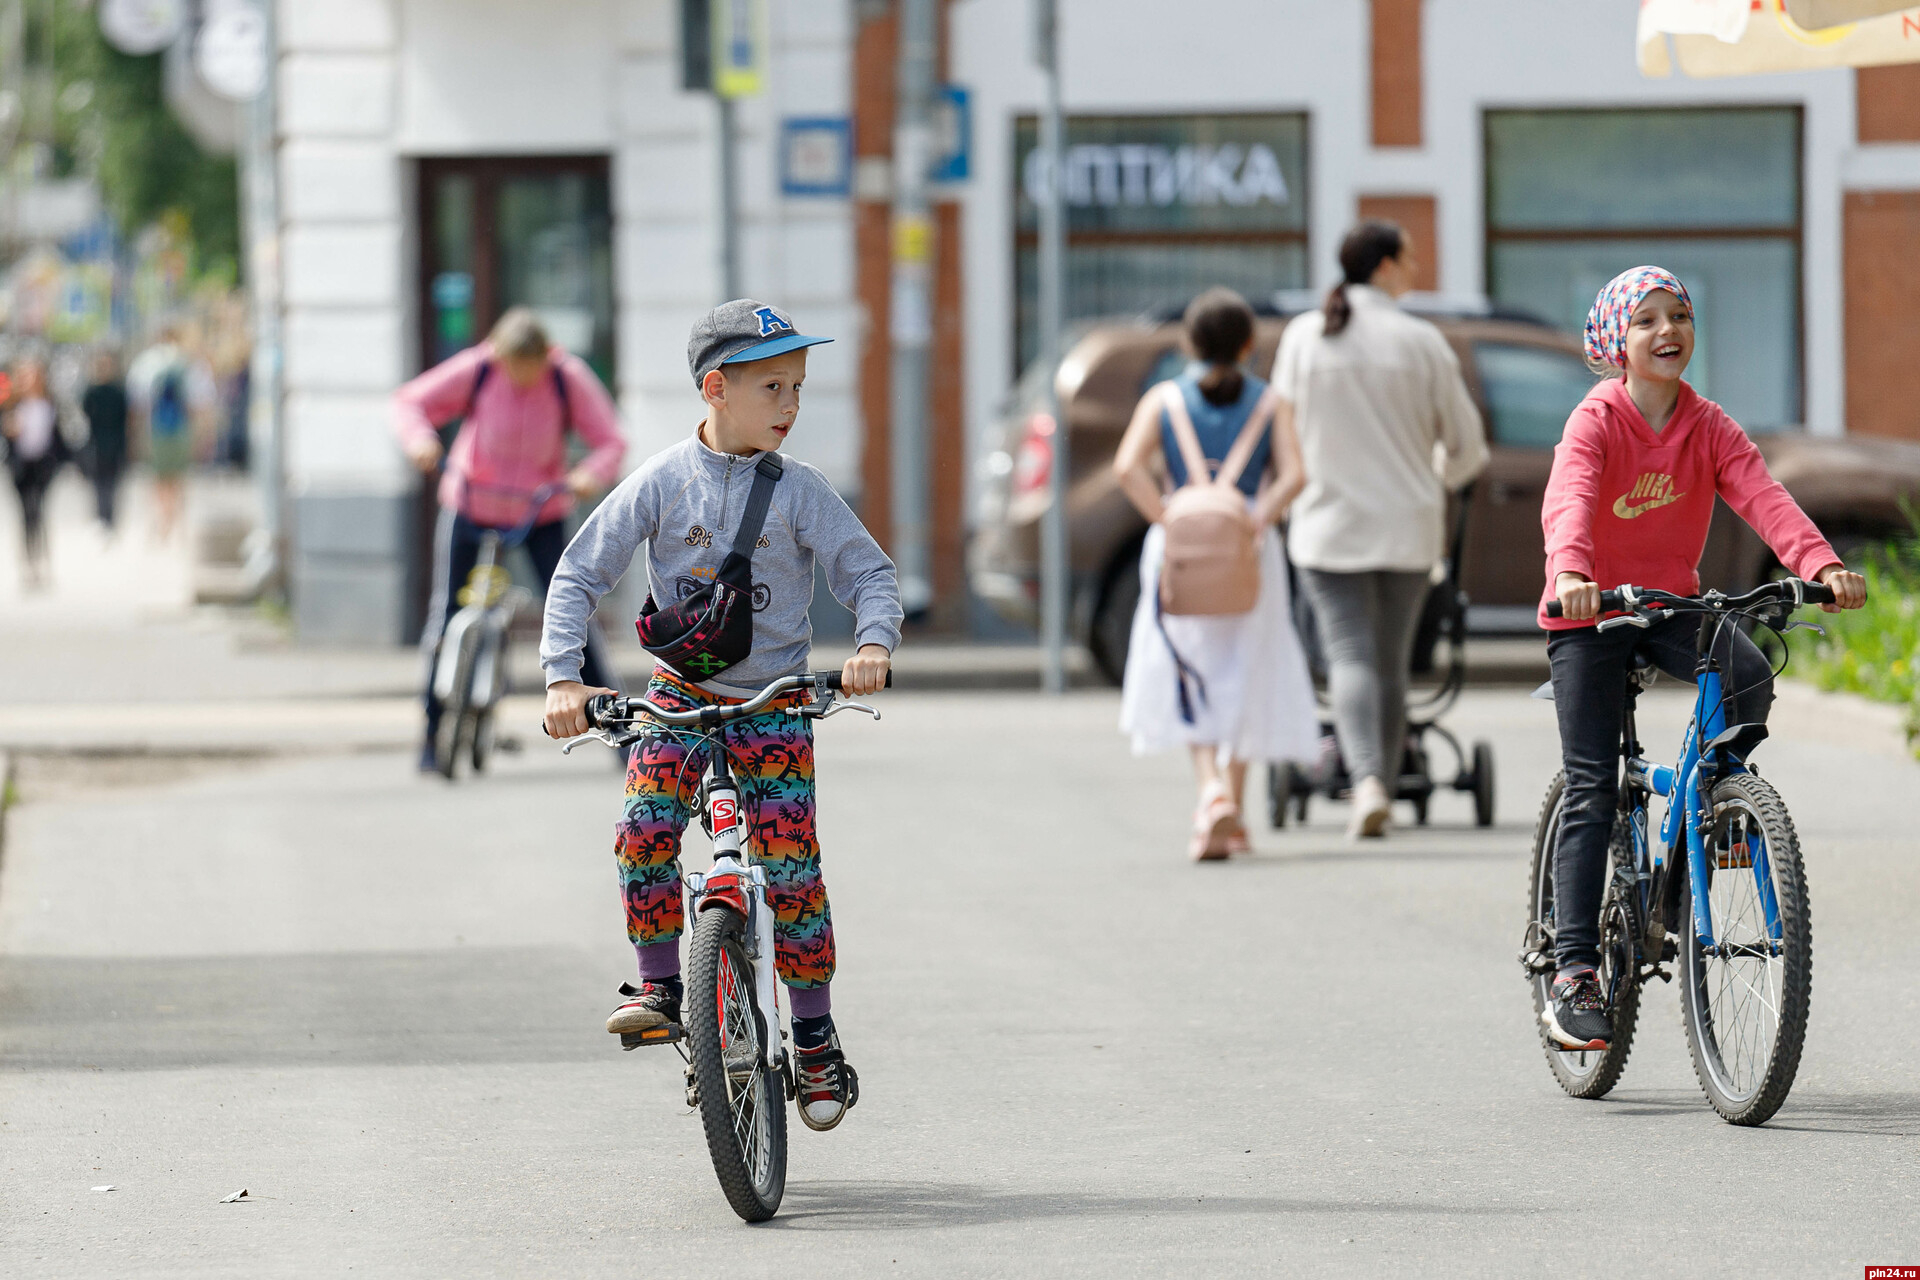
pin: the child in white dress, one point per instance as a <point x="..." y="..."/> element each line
<point x="1248" y="695"/>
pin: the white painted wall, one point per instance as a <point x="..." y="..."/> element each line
<point x="368" y="85"/>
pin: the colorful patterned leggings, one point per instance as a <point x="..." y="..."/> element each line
<point x="772" y="756"/>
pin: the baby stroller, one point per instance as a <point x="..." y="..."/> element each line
<point x="1291" y="786"/>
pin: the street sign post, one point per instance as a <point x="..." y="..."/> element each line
<point x="1054" y="563"/>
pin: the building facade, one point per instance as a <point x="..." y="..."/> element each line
<point x="442" y="158"/>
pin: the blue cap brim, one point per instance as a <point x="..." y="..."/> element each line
<point x="775" y="347"/>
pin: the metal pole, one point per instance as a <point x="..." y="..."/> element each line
<point x="1054" y="562"/>
<point x="910" y="324"/>
<point x="266" y="566"/>
<point x="729" y="201"/>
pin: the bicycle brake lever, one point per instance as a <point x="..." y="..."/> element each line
<point x="1624" y="620"/>
<point x="598" y="735"/>
<point x="838" y="707"/>
<point x="1797" y="623"/>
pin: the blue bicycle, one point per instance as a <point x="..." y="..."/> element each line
<point x="1718" y="888"/>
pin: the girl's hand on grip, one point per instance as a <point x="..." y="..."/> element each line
<point x="1849" y="588"/>
<point x="1579" y="597"/>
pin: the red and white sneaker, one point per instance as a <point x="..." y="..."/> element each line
<point x="652" y="1004"/>
<point x="827" y="1086"/>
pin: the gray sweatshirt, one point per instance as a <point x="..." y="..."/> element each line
<point x="685" y="503"/>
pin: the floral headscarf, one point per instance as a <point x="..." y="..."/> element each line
<point x="1607" y="322"/>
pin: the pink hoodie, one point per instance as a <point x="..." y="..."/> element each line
<point x="513" y="441"/>
<point x="1627" y="506"/>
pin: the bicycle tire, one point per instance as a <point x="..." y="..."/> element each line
<point x="480" y="749"/>
<point x="456" y="725"/>
<point x="1583" y="1073"/>
<point x="720" y="1014"/>
<point x="1741" y="1095"/>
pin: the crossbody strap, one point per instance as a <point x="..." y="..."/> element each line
<point x="766" y="473"/>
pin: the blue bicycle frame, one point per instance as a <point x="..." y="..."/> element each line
<point x="1696" y="773"/>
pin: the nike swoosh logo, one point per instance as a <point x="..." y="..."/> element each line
<point x="1628" y="511"/>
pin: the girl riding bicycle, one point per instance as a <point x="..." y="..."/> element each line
<point x="1631" y="495"/>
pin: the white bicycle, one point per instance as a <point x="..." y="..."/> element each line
<point x="734" y="1044"/>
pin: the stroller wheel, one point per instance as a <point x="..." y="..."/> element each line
<point x="1483" y="784"/>
<point x="1279" y="794"/>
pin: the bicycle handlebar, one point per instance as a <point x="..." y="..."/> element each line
<point x="604" y="708"/>
<point x="1639" y="600"/>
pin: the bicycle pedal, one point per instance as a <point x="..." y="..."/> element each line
<point x="667" y="1033"/>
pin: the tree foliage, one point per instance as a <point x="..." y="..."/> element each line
<point x="148" y="165"/>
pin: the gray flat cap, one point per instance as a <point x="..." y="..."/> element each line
<point x="742" y="330"/>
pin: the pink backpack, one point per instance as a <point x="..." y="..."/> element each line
<point x="1212" y="564"/>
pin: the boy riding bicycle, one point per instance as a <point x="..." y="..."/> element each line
<point x="1629" y="501"/>
<point x="687" y="503"/>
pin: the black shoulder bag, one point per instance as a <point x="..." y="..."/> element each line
<point x="712" y="629"/>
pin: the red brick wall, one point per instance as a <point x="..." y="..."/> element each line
<point x="1887" y="102"/>
<point x="875" y="53"/>
<point x="1396" y="73"/>
<point x="1882" y="230"/>
<point x="1419" y="217"/>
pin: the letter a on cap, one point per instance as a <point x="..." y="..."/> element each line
<point x="771" y="323"/>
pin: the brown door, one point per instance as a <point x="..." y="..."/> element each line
<point x="502" y="231"/>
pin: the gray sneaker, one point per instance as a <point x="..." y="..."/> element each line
<point x="1576" y="1014"/>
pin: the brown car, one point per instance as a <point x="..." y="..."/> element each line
<point x="1526" y="378"/>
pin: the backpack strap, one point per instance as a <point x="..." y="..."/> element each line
<point x="1249" y="439"/>
<point x="766" y="473"/>
<point x="479" y="381"/>
<point x="1174" y="401"/>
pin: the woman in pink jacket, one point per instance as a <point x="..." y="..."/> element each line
<point x="517" y="396"/>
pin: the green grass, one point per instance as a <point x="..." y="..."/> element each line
<point x="1873" y="651"/>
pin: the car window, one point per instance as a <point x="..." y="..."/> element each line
<point x="1529" y="391"/>
<point x="1170" y="365"/>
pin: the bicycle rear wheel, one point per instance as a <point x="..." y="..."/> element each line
<point x="1584" y="1073"/>
<point x="742" y="1102"/>
<point x="1744" y="997"/>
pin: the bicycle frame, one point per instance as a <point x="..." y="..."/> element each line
<point x="734" y="882"/>
<point x="1687" y="788"/>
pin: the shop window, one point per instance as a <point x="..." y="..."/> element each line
<point x="1713" y="194"/>
<point x="1161" y="207"/>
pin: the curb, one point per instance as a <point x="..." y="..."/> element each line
<point x="1841" y="719"/>
<point x="6" y="797"/>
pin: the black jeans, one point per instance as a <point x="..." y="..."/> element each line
<point x="1589" y="692"/>
<point x="456" y="549"/>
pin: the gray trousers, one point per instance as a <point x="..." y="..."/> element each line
<point x="1367" y="622"/>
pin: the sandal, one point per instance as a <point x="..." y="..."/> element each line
<point x="1213" y="822"/>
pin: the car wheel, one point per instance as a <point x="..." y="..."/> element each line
<point x="1112" y="627"/>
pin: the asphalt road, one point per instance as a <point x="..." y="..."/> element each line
<point x="374" y="1001"/>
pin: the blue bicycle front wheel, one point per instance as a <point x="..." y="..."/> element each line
<point x="1747" y="954"/>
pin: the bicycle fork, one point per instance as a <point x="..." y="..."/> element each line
<point x="736" y="884"/>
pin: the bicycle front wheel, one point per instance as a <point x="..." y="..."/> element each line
<point x="1746" y="989"/>
<point x="742" y="1102"/>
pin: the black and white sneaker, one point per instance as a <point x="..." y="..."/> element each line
<point x="1576" y="1013"/>
<point x="826" y="1085"/>
<point x="653" y="1004"/>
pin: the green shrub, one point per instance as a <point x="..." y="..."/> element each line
<point x="1873" y="651"/>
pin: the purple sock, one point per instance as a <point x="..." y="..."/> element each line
<point x="659" y="959"/>
<point x="810" y="1002"/>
